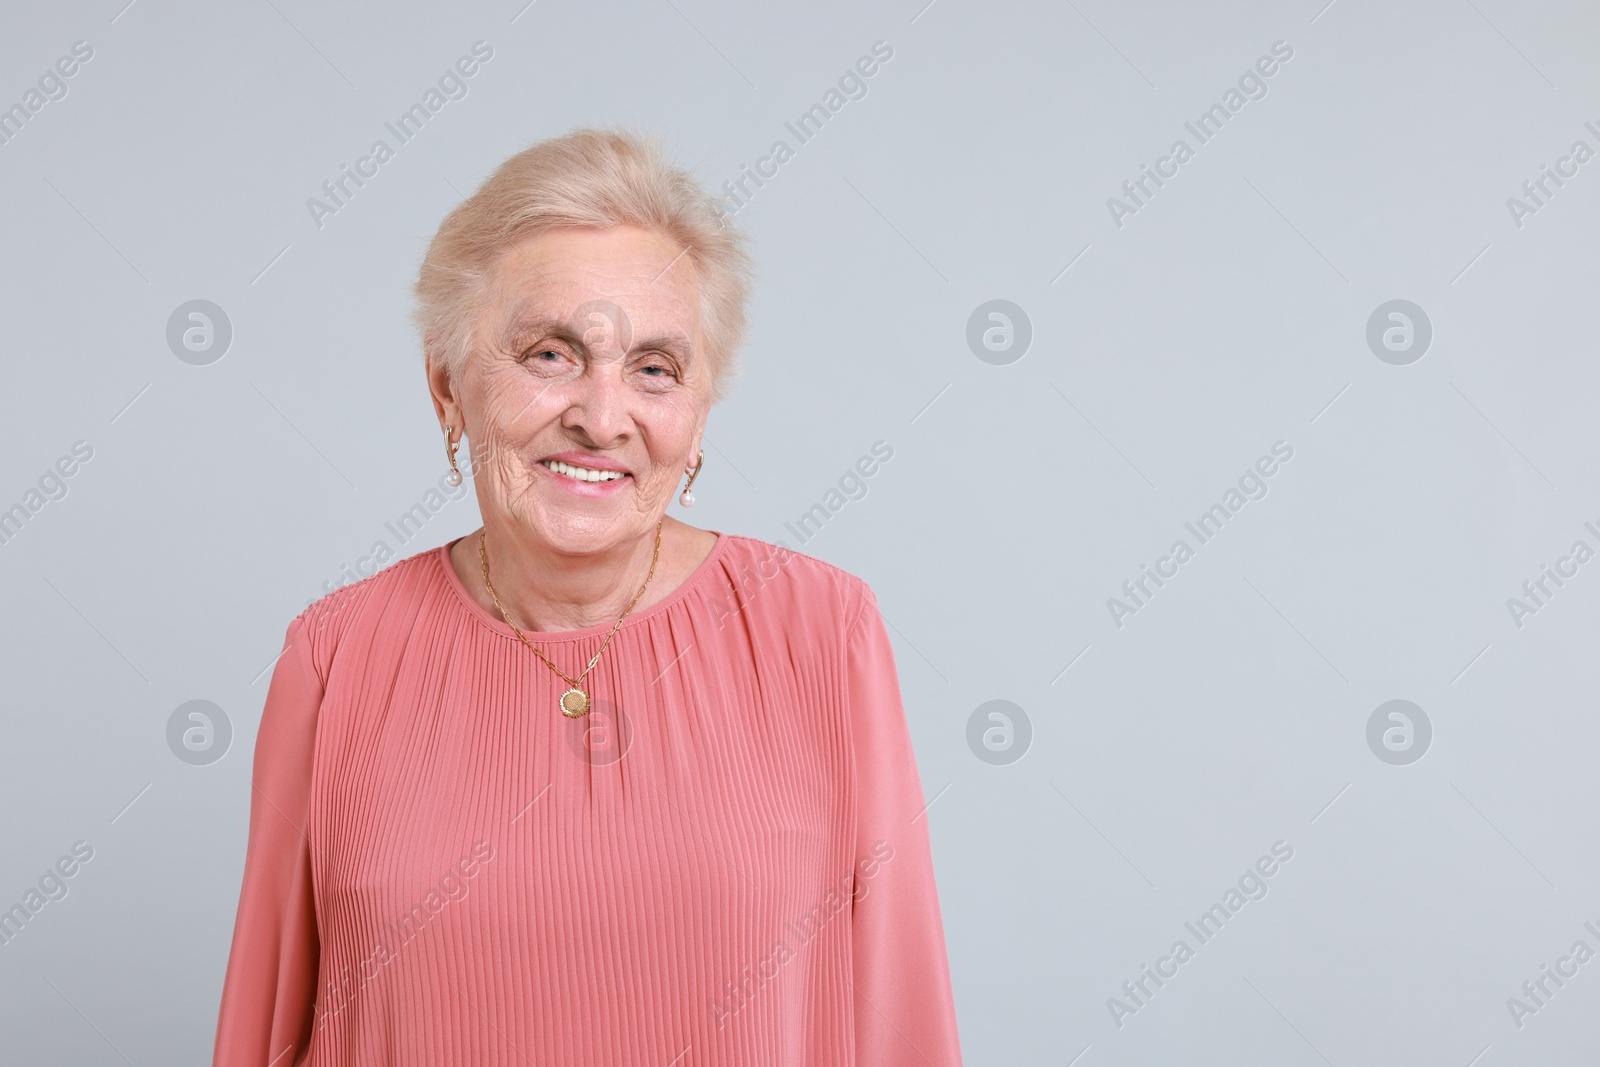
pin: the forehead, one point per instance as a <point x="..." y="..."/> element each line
<point x="646" y="273"/>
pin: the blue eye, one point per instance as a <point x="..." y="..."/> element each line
<point x="659" y="370"/>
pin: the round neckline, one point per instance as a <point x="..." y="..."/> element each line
<point x="499" y="626"/>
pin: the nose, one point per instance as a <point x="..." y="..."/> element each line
<point x="597" y="402"/>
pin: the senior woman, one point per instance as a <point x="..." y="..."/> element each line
<point x="588" y="785"/>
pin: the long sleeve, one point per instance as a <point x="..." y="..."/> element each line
<point x="268" y="995"/>
<point x="904" y="1007"/>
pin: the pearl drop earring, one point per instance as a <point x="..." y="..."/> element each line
<point x="686" y="498"/>
<point x="452" y="479"/>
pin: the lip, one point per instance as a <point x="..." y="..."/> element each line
<point x="589" y="460"/>
<point x="587" y="489"/>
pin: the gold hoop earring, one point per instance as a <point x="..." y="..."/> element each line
<point x="686" y="498"/>
<point x="452" y="479"/>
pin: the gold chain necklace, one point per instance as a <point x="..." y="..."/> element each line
<point x="575" y="701"/>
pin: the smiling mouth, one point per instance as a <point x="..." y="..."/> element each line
<point x="582" y="474"/>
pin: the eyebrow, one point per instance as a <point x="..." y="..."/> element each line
<point x="681" y="347"/>
<point x="519" y="328"/>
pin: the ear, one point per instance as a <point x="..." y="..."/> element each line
<point x="697" y="442"/>
<point x="445" y="404"/>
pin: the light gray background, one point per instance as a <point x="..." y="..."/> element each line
<point x="1229" y="313"/>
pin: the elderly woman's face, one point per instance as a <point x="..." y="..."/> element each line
<point x="588" y="392"/>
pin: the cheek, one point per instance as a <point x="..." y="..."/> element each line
<point x="682" y="410"/>
<point x="671" y="433"/>
<point x="511" y="408"/>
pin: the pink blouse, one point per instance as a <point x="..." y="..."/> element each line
<point x="725" y="862"/>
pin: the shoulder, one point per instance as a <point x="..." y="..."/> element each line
<point x="800" y="586"/>
<point x="324" y="624"/>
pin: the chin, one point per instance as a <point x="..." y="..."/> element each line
<point x="585" y="528"/>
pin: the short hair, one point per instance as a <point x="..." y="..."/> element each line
<point x="588" y="177"/>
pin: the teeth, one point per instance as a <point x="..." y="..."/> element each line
<point x="582" y="474"/>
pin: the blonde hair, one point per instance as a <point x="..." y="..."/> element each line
<point x="588" y="177"/>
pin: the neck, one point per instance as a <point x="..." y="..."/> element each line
<point x="544" y="590"/>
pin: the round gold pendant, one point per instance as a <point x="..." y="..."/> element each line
<point x="574" y="703"/>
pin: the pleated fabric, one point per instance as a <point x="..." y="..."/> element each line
<point x="725" y="862"/>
